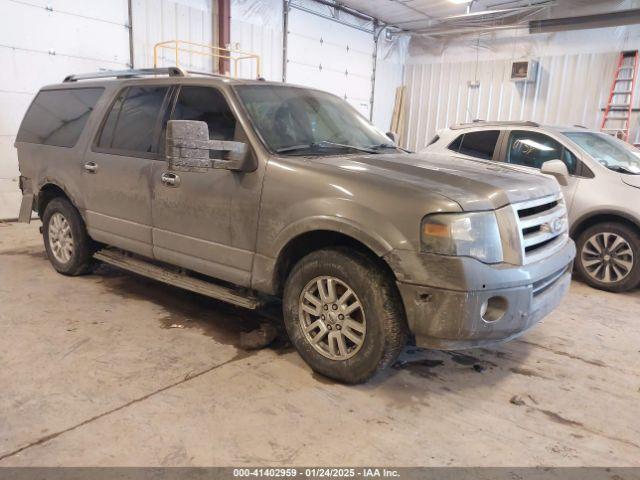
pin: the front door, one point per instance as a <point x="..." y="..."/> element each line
<point x="118" y="166"/>
<point x="207" y="221"/>
<point x="533" y="149"/>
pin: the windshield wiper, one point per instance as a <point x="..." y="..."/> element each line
<point x="390" y="146"/>
<point x="621" y="169"/>
<point x="323" y="145"/>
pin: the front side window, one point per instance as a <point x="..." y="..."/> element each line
<point x="131" y="123"/>
<point x="533" y="149"/>
<point x="610" y="152"/>
<point x="307" y="122"/>
<point x="206" y="104"/>
<point x="480" y="144"/>
<point x="57" y="117"/>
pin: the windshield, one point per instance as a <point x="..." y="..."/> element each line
<point x="609" y="151"/>
<point x="297" y="121"/>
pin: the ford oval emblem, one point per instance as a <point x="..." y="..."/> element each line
<point x="557" y="225"/>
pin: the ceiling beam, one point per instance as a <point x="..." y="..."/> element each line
<point x="585" y="22"/>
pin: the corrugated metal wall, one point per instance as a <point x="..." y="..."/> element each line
<point x="569" y="89"/>
<point x="160" y="20"/>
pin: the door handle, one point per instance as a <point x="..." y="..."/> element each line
<point x="91" y="167"/>
<point x="170" y="179"/>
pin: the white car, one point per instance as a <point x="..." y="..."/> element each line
<point x="599" y="176"/>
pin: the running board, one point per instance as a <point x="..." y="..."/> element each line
<point x="180" y="280"/>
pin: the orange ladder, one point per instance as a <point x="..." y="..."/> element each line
<point x="617" y="113"/>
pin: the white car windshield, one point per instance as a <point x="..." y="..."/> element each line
<point x="609" y="151"/>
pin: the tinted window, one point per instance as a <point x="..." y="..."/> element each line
<point x="57" y="117"/>
<point x="532" y="149"/>
<point x="206" y="104"/>
<point x="131" y="122"/>
<point x="480" y="144"/>
<point x="455" y="145"/>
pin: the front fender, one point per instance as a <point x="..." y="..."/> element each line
<point x="348" y="218"/>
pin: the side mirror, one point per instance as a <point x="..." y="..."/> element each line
<point x="188" y="147"/>
<point x="558" y="169"/>
<point x="393" y="136"/>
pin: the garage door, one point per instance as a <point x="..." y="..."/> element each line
<point x="63" y="37"/>
<point x="330" y="54"/>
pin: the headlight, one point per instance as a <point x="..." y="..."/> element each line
<point x="474" y="234"/>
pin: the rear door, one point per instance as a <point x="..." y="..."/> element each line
<point x="118" y="166"/>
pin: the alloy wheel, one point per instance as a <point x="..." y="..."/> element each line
<point x="60" y="238"/>
<point x="332" y="318"/>
<point x="607" y="257"/>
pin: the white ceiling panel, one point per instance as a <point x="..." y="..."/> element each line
<point x="416" y="14"/>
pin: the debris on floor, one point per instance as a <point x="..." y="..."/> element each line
<point x="261" y="337"/>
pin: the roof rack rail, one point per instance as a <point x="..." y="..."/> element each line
<point x="131" y="73"/>
<point x="485" y="123"/>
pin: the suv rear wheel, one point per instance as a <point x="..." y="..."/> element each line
<point x="609" y="257"/>
<point x="68" y="246"/>
<point x="343" y="314"/>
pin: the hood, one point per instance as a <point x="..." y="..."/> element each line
<point x="473" y="184"/>
<point x="631" y="180"/>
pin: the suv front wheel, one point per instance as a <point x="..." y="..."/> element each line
<point x="609" y="257"/>
<point x="343" y="314"/>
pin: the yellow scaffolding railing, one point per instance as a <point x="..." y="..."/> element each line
<point x="211" y="51"/>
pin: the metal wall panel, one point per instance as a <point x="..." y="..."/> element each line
<point x="160" y="20"/>
<point x="41" y="42"/>
<point x="256" y="26"/>
<point x="569" y="89"/>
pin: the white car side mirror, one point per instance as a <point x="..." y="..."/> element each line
<point x="558" y="169"/>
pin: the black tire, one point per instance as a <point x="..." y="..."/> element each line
<point x="81" y="259"/>
<point x="630" y="235"/>
<point x="386" y="331"/>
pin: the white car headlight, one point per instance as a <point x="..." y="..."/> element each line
<point x="473" y="234"/>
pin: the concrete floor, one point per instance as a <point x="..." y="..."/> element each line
<point x="93" y="374"/>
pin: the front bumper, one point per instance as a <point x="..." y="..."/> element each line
<point x="448" y="319"/>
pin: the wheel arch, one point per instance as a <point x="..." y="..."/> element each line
<point x="47" y="192"/>
<point x="594" y="218"/>
<point x="309" y="241"/>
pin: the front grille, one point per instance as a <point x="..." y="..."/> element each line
<point x="542" y="225"/>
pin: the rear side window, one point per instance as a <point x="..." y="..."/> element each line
<point x="131" y="123"/>
<point x="480" y="144"/>
<point x="57" y="117"/>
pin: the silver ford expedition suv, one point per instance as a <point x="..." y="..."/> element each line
<point x="248" y="191"/>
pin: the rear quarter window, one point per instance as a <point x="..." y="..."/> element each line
<point x="57" y="117"/>
<point x="455" y="145"/>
